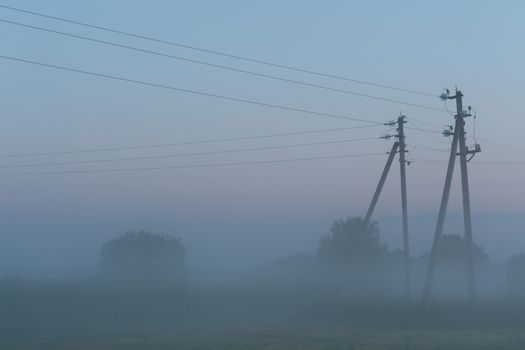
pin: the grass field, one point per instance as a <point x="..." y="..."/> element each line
<point x="85" y="316"/>
<point x="285" y="339"/>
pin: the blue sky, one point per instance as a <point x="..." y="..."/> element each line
<point x="419" y="45"/>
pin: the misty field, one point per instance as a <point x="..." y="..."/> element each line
<point x="276" y="339"/>
<point x="142" y="297"/>
<point x="82" y="315"/>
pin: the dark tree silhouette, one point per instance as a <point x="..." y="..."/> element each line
<point x="516" y="275"/>
<point x="352" y="250"/>
<point x="351" y="240"/>
<point x="450" y="280"/>
<point x="452" y="250"/>
<point x="141" y="257"/>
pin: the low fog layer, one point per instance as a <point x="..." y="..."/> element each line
<point x="70" y="246"/>
<point x="143" y="282"/>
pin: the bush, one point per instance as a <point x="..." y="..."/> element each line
<point x="516" y="275"/>
<point x="143" y="258"/>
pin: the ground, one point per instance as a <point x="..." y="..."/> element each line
<point x="273" y="339"/>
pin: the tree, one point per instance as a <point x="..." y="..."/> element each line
<point x="452" y="250"/>
<point x="351" y="240"/>
<point x="141" y="257"/>
<point x="354" y="256"/>
<point x="516" y="274"/>
<point x="450" y="280"/>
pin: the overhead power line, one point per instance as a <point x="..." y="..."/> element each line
<point x="498" y="162"/>
<point x="267" y="76"/>
<point x="237" y="150"/>
<point x="426" y="123"/>
<point x="421" y="146"/>
<point x="517" y="149"/>
<point x="503" y="145"/>
<point x="429" y="161"/>
<point x="215" y="52"/>
<point x="184" y="143"/>
<point x="425" y="130"/>
<point x="187" y="91"/>
<point x="205" y="165"/>
<point x="429" y="133"/>
<point x="477" y="162"/>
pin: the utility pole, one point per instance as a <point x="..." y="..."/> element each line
<point x="467" y="221"/>
<point x="459" y="138"/>
<point x="402" y="166"/>
<point x="401" y="146"/>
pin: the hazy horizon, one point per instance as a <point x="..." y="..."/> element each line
<point x="284" y="207"/>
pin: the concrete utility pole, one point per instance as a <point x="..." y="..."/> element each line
<point x="402" y="166"/>
<point x="398" y="145"/>
<point x="459" y="138"/>
<point x="467" y="221"/>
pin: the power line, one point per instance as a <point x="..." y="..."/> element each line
<point x="242" y="138"/>
<point x="498" y="162"/>
<point x="237" y="150"/>
<point x="421" y="129"/>
<point x="478" y="162"/>
<point x="268" y="76"/>
<point x="504" y="146"/>
<point x="484" y="140"/>
<point x="187" y="91"/>
<point x="214" y="52"/>
<point x="429" y="161"/>
<point x="207" y="165"/>
<point x="426" y="123"/>
<point x="421" y="146"/>
<point x="428" y="132"/>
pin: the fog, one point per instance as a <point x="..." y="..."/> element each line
<point x="243" y="284"/>
<point x="250" y="267"/>
<point x="218" y="245"/>
<point x="196" y="174"/>
<point x="249" y="278"/>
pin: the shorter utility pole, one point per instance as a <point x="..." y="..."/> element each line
<point x="400" y="145"/>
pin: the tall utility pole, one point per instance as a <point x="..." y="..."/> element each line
<point x="398" y="145"/>
<point x="459" y="138"/>
<point x="467" y="221"/>
<point x="402" y="166"/>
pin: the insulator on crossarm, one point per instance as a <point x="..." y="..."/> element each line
<point x="448" y="131"/>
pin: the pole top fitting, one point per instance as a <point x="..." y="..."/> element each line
<point x="445" y="95"/>
<point x="449" y="131"/>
